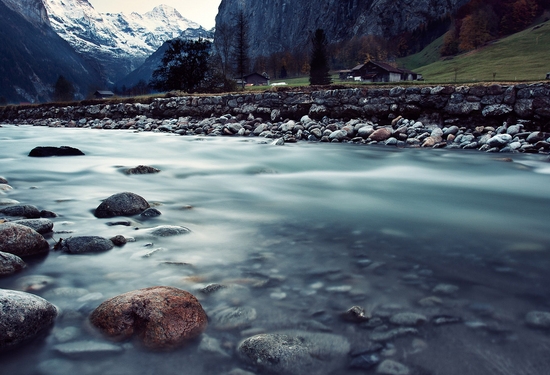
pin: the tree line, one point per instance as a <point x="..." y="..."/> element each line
<point x="481" y="21"/>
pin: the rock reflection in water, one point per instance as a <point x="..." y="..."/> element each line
<point x="444" y="253"/>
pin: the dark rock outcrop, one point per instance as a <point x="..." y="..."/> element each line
<point x="47" y="151"/>
<point x="21" y="240"/>
<point x="121" y="204"/>
<point x="162" y="317"/>
<point x="22" y="317"/>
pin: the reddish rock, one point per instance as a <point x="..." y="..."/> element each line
<point x="21" y="240"/>
<point x="162" y="317"/>
<point x="381" y="134"/>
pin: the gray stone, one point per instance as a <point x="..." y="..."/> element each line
<point x="23" y="316"/>
<point x="21" y="240"/>
<point x="121" y="204"/>
<point x="233" y="317"/>
<point x="535" y="137"/>
<point x="538" y="319"/>
<point x="26" y="210"/>
<point x="168" y="231"/>
<point x="10" y="263"/>
<point x="338" y="135"/>
<point x="499" y="140"/>
<point x="142" y="169"/>
<point x="42" y="226"/>
<point x="365" y="131"/>
<point x="295" y="353"/>
<point x="86" y="244"/>
<point x="497" y="110"/>
<point x="408" y="319"/>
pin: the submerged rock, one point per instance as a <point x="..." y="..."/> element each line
<point x="10" y="263"/>
<point x="22" y="317"/>
<point x="21" y="240"/>
<point x="169" y="230"/>
<point x="86" y="244"/>
<point x="77" y="349"/>
<point x="408" y="319"/>
<point x="162" y="317"/>
<point x="121" y="204"/>
<point x="55" y="151"/>
<point x="295" y="353"/>
<point x="391" y="367"/>
<point x="234" y="317"/>
<point x="142" y="169"/>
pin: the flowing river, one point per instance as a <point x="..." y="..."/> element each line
<point x="298" y="234"/>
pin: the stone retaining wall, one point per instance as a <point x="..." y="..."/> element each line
<point x="488" y="105"/>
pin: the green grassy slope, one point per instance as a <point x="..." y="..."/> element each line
<point x="427" y="56"/>
<point x="524" y="56"/>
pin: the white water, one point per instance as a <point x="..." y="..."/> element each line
<point x="306" y="213"/>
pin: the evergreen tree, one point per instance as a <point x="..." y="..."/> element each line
<point x="240" y="50"/>
<point x="184" y="66"/>
<point x="319" y="68"/>
<point x="63" y="90"/>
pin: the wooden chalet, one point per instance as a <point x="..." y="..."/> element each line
<point x="103" y="94"/>
<point x="375" y="71"/>
<point x="256" y="79"/>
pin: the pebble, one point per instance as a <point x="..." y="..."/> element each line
<point x="365" y="361"/>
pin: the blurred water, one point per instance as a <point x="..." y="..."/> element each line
<point x="308" y="215"/>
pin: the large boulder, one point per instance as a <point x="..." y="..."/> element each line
<point x="295" y="353"/>
<point x="21" y="240"/>
<point x="86" y="244"/>
<point x="10" y="263"/>
<point x="121" y="204"/>
<point x="162" y="317"/>
<point x="23" y="210"/>
<point x="22" y="317"/>
<point x="381" y="134"/>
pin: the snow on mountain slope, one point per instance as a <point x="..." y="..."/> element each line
<point x="132" y="34"/>
<point x="109" y="37"/>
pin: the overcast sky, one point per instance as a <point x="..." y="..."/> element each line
<point x="201" y="11"/>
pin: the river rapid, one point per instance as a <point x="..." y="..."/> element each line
<point x="299" y="234"/>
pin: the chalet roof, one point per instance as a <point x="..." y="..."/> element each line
<point x="386" y="67"/>
<point x="104" y="92"/>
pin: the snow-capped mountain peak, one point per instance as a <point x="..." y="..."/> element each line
<point x="125" y="38"/>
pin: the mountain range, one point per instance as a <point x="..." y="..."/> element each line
<point x="43" y="39"/>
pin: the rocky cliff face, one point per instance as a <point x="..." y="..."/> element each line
<point x="278" y="25"/>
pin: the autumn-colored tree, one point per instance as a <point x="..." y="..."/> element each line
<point x="478" y="28"/>
<point x="523" y="13"/>
<point x="450" y="43"/>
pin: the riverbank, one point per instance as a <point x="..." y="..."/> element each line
<point x="489" y="118"/>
